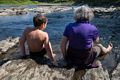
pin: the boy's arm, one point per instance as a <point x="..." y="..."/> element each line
<point x="22" y="41"/>
<point x="63" y="45"/>
<point x="49" y="48"/>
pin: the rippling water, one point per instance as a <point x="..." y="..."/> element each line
<point x="108" y="28"/>
<point x="14" y="25"/>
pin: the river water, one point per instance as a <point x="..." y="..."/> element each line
<point x="13" y="26"/>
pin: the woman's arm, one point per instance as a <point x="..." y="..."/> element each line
<point x="64" y="45"/>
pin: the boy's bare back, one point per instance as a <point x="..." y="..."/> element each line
<point x="35" y="39"/>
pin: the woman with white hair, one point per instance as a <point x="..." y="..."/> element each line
<point x="80" y="36"/>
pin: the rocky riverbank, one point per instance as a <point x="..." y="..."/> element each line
<point x="39" y="9"/>
<point x="50" y="9"/>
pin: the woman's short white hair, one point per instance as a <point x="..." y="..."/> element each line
<point x="83" y="12"/>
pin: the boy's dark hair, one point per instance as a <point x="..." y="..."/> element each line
<point x="39" y="19"/>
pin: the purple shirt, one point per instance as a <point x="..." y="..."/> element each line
<point x="81" y="34"/>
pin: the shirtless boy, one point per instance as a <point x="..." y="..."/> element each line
<point x="37" y="39"/>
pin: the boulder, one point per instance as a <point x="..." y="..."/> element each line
<point x="92" y="74"/>
<point x="5" y="45"/>
<point x="29" y="70"/>
<point x="116" y="73"/>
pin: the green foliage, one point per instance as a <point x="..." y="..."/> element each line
<point x="97" y="0"/>
<point x="18" y="2"/>
<point x="62" y="0"/>
<point x="54" y="1"/>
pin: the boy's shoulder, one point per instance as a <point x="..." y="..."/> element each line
<point x="43" y="33"/>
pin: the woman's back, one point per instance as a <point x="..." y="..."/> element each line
<point x="80" y="34"/>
